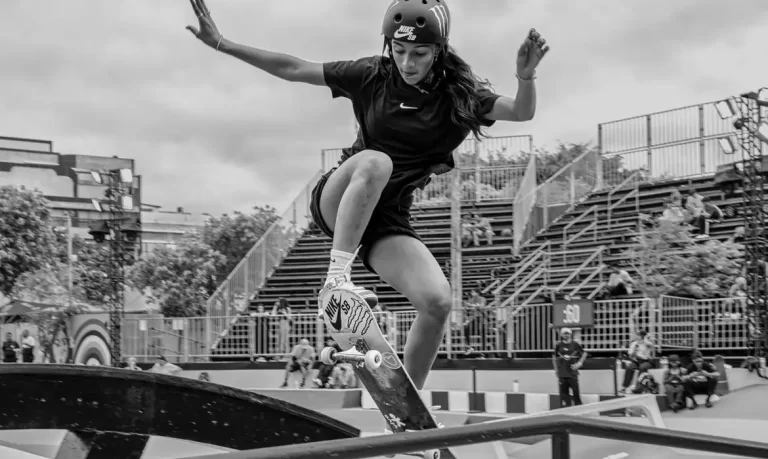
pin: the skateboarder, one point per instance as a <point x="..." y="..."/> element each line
<point x="415" y="105"/>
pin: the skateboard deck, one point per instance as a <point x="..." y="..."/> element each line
<point x="352" y="324"/>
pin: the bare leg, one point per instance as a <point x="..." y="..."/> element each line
<point x="408" y="266"/>
<point x="350" y="195"/>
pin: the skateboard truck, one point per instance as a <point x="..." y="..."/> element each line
<point x="371" y="359"/>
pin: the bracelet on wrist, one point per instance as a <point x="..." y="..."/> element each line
<point x="221" y="37"/>
<point x="533" y="77"/>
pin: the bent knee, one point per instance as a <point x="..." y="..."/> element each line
<point x="373" y="165"/>
<point x="437" y="302"/>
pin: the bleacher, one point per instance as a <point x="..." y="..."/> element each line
<point x="612" y="229"/>
<point x="299" y="276"/>
<point x="302" y="272"/>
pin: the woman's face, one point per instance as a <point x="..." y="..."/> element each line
<point x="414" y="60"/>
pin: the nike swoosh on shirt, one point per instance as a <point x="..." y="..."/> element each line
<point x="405" y="107"/>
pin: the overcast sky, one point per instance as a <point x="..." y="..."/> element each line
<point x="211" y="134"/>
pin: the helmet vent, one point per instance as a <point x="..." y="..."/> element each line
<point x="421" y="21"/>
<point x="398" y="18"/>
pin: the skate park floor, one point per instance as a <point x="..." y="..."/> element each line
<point x="739" y="415"/>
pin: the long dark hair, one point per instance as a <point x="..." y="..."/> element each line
<point x="462" y="85"/>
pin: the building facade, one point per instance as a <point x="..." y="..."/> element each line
<point x="65" y="180"/>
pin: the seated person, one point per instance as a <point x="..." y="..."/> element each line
<point x="620" y="283"/>
<point x="481" y="227"/>
<point x="672" y="212"/>
<point x="639" y="358"/>
<point x="301" y="360"/>
<point x="673" y="383"/>
<point x="694" y="204"/>
<point x="467" y="231"/>
<point x="645" y="384"/>
<point x="324" y="372"/>
<point x="701" y="378"/>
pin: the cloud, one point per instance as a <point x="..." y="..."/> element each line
<point x="212" y="134"/>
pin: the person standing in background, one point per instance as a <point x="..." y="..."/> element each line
<point x="11" y="349"/>
<point x="568" y="358"/>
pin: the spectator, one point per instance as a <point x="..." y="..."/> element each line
<point x="324" y="372"/>
<point x="28" y="345"/>
<point x="672" y="212"/>
<point x="712" y="211"/>
<point x="694" y="204"/>
<point x="481" y="226"/>
<point x="11" y="349"/>
<point x="701" y="378"/>
<point x="673" y="383"/>
<point x="282" y="312"/>
<point x="467" y="231"/>
<point x="567" y="359"/>
<point x="131" y="364"/>
<point x="738" y="235"/>
<point x="204" y="376"/>
<point x="639" y="358"/>
<point x="645" y="384"/>
<point x="301" y="360"/>
<point x="620" y="283"/>
<point x="163" y="367"/>
<point x="676" y="198"/>
<point x="475" y="321"/>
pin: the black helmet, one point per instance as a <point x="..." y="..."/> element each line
<point x="418" y="21"/>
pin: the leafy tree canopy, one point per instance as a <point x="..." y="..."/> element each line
<point x="179" y="280"/>
<point x="669" y="261"/>
<point x="26" y="238"/>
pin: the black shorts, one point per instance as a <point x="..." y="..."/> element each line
<point x="386" y="220"/>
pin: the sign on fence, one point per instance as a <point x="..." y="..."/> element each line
<point x="573" y="313"/>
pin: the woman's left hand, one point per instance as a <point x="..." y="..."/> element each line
<point x="531" y="52"/>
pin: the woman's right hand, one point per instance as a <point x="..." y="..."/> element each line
<point x="208" y="32"/>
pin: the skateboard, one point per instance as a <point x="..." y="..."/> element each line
<point x="353" y="326"/>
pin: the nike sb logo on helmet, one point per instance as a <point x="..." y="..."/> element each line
<point x="406" y="31"/>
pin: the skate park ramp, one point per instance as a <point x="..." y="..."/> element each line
<point x="738" y="415"/>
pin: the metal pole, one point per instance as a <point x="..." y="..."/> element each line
<point x="70" y="282"/>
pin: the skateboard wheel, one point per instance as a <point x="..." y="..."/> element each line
<point x="372" y="360"/>
<point x="432" y="454"/>
<point x="327" y="355"/>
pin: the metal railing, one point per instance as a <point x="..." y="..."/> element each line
<point x="634" y="192"/>
<point x="245" y="280"/>
<point x="541" y="251"/>
<point x="677" y="143"/>
<point x="591" y="226"/>
<point x="559" y="426"/>
<point x="596" y="256"/>
<point x="556" y="196"/>
<point x="714" y="325"/>
<point x="485" y="184"/>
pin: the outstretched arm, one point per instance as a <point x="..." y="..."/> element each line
<point x="283" y="66"/>
<point x="523" y="106"/>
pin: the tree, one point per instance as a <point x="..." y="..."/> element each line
<point x="179" y="280"/>
<point x="26" y="238"/>
<point x="47" y="287"/>
<point x="669" y="261"/>
<point x="234" y="235"/>
<point x="89" y="267"/>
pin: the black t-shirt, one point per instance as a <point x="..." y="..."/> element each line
<point x="706" y="366"/>
<point x="567" y="354"/>
<point x="412" y="127"/>
<point x="9" y="351"/>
